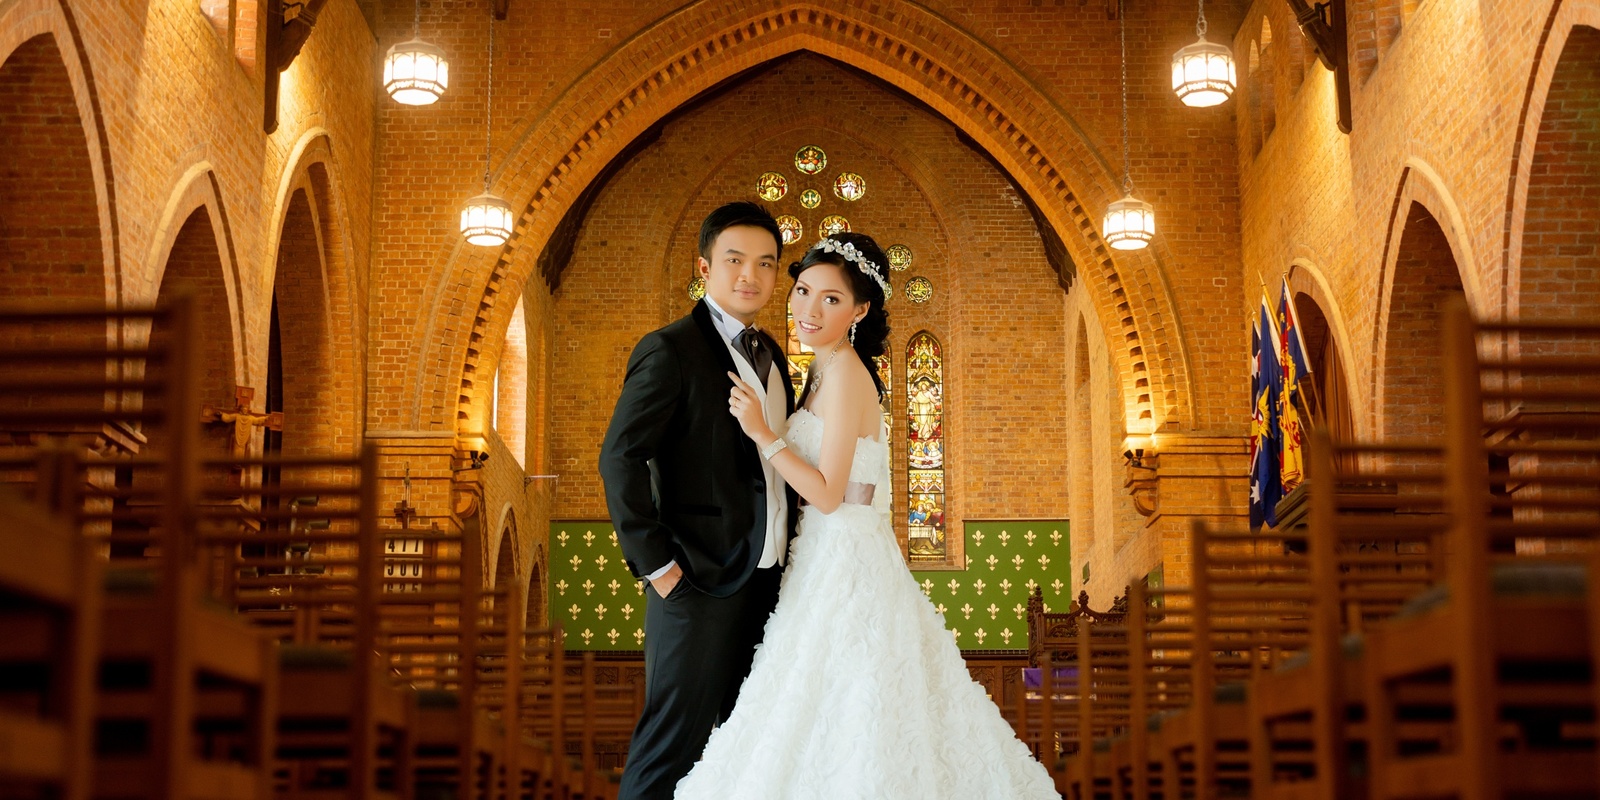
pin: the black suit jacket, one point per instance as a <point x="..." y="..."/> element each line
<point x="682" y="480"/>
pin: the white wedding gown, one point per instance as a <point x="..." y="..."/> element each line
<point x="859" y="691"/>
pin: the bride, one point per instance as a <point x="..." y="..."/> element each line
<point x="859" y="691"/>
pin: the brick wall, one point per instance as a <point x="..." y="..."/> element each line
<point x="124" y="106"/>
<point x="49" y="216"/>
<point x="995" y="306"/>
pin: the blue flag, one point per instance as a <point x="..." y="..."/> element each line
<point x="1266" y="382"/>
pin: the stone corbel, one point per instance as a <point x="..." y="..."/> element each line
<point x="286" y="35"/>
<point x="466" y="477"/>
<point x="1143" y="482"/>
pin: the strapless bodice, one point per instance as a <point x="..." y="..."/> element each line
<point x="871" y="462"/>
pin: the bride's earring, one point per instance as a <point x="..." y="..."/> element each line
<point x="853" y="332"/>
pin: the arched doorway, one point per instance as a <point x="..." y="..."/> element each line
<point x="1426" y="279"/>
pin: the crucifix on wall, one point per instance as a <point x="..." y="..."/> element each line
<point x="243" y="419"/>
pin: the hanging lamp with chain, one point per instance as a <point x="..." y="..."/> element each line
<point x="1130" y="223"/>
<point x="487" y="219"/>
<point x="416" y="73"/>
<point x="1203" y="74"/>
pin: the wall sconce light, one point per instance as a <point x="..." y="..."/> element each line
<point x="1139" y="453"/>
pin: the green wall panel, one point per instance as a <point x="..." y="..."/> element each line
<point x="602" y="607"/>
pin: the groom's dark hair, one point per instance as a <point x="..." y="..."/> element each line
<point x="733" y="215"/>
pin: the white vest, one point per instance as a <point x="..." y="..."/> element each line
<point x="775" y="409"/>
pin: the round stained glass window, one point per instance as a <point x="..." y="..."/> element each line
<point x="697" y="288"/>
<point x="791" y="227"/>
<point x="810" y="159"/>
<point x="771" y="187"/>
<point x="849" y="186"/>
<point x="832" y="224"/>
<point x="888" y="289"/>
<point x="919" y="289"/>
<point x="899" y="257"/>
<point x="811" y="198"/>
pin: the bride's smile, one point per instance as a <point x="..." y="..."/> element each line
<point x="823" y="306"/>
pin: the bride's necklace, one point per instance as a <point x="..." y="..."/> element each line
<point x="816" y="374"/>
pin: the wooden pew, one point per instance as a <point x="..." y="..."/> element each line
<point x="1504" y="633"/>
<point x="431" y="628"/>
<point x="298" y="557"/>
<point x="49" y="631"/>
<point x="183" y="686"/>
<point x="1097" y="709"/>
<point x="1058" y="722"/>
<point x="571" y="716"/>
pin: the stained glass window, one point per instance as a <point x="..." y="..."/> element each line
<point x="886" y="376"/>
<point x="832" y="224"/>
<point x="811" y="198"/>
<point x="899" y="257"/>
<point x="800" y="356"/>
<point x="791" y="227"/>
<point x="925" y="449"/>
<point x="919" y="289"/>
<point x="771" y="187"/>
<point x="849" y="186"/>
<point x="810" y="159"/>
<point x="697" y="288"/>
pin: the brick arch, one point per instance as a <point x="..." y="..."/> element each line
<point x="1033" y="139"/>
<point x="1563" y="68"/>
<point x="1408" y="369"/>
<point x="1081" y="467"/>
<point x="321" y="301"/>
<point x="194" y="261"/>
<point x="505" y="551"/>
<point x="1327" y="339"/>
<point x="58" y="232"/>
<point x="199" y="191"/>
<point x="1306" y="278"/>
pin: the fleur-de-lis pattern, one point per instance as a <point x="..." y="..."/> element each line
<point x="1011" y="557"/>
<point x="586" y="557"/>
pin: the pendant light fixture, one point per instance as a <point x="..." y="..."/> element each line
<point x="415" y="73"/>
<point x="1130" y="223"/>
<point x="1203" y="73"/>
<point x="487" y="220"/>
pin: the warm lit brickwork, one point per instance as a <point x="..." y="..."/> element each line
<point x="49" y="222"/>
<point x="995" y="306"/>
<point x="131" y="141"/>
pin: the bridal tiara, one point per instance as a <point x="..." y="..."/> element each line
<point x="867" y="266"/>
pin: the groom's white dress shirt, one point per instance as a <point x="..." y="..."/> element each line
<point x="775" y="408"/>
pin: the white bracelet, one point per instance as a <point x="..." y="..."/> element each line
<point x="772" y="449"/>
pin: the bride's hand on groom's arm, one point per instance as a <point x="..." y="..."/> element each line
<point x="745" y="406"/>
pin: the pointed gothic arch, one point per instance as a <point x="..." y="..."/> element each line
<point x="555" y="159"/>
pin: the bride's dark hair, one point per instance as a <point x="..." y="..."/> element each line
<point x="872" y="332"/>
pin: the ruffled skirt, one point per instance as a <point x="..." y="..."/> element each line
<point x="859" y="690"/>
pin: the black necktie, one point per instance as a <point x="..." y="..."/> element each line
<point x="755" y="351"/>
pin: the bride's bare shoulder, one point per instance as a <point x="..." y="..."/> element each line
<point x="854" y="397"/>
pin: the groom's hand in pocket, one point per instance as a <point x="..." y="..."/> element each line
<point x="666" y="583"/>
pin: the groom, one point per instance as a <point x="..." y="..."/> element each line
<point x="699" y="513"/>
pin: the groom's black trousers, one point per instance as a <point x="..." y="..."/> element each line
<point x="697" y="652"/>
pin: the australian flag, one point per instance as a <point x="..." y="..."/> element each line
<point x="1266" y="383"/>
